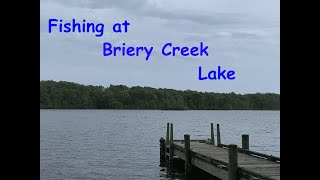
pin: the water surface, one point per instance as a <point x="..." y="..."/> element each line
<point x="124" y="144"/>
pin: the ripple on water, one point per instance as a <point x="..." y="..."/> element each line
<point x="124" y="144"/>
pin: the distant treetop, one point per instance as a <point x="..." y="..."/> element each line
<point x="69" y="95"/>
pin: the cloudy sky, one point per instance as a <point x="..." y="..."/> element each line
<point x="241" y="35"/>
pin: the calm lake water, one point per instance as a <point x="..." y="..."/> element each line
<point x="124" y="144"/>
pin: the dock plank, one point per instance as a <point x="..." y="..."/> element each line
<point x="252" y="164"/>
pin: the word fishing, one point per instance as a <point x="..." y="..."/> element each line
<point x="74" y="26"/>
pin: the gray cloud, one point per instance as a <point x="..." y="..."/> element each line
<point x="104" y="4"/>
<point x="146" y="9"/>
<point x="243" y="36"/>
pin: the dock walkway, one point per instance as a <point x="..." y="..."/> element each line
<point x="226" y="162"/>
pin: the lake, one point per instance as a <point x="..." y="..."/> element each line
<point x="124" y="144"/>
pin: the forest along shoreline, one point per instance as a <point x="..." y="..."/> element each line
<point x="69" y="95"/>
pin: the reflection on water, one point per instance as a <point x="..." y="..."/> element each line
<point x="124" y="144"/>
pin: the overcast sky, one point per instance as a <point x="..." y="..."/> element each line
<point x="241" y="35"/>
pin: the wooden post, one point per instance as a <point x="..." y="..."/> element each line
<point x="245" y="141"/>
<point x="233" y="162"/>
<point x="188" y="164"/>
<point x="162" y="152"/>
<point x="167" y="137"/>
<point x="212" y="134"/>
<point x="218" y="135"/>
<point x="171" y="149"/>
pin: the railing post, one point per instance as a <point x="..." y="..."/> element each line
<point x="167" y="137"/>
<point x="171" y="149"/>
<point x="188" y="164"/>
<point x="162" y="152"/>
<point x="212" y="134"/>
<point x="245" y="141"/>
<point x="233" y="162"/>
<point x="218" y="135"/>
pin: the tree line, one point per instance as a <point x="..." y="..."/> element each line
<point x="69" y="95"/>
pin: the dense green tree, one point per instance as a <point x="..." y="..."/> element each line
<point x="68" y="95"/>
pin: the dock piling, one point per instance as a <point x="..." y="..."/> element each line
<point x="167" y="137"/>
<point x="245" y="141"/>
<point x="233" y="162"/>
<point x="212" y="134"/>
<point x="171" y="149"/>
<point x="218" y="135"/>
<point x="162" y="152"/>
<point x="188" y="164"/>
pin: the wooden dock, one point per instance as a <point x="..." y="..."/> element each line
<point x="226" y="162"/>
